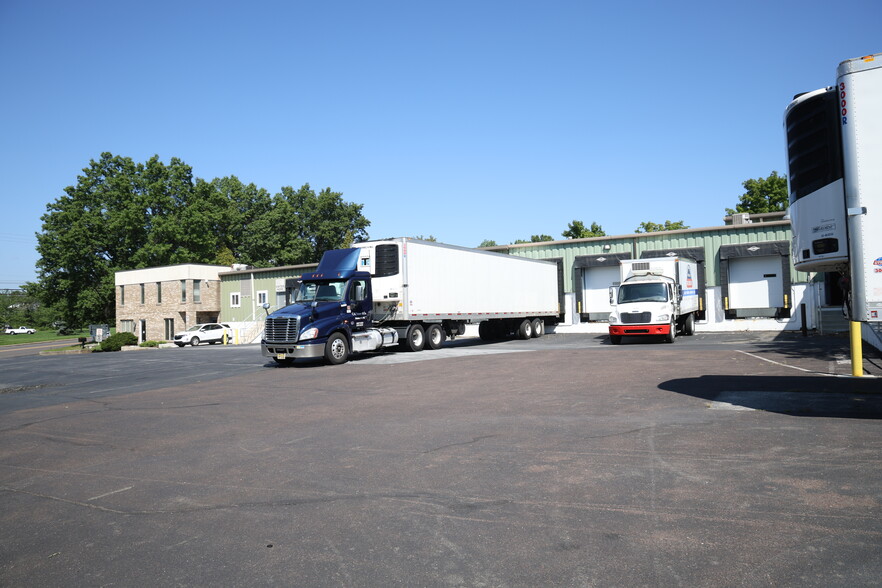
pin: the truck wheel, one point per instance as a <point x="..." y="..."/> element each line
<point x="337" y="349"/>
<point x="689" y="325"/>
<point x="435" y="336"/>
<point x="672" y="336"/>
<point x="525" y="329"/>
<point x="615" y="339"/>
<point x="415" y="339"/>
<point x="538" y="327"/>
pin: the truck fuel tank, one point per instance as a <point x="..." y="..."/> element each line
<point x="374" y="339"/>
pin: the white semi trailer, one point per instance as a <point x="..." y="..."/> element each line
<point x="413" y="293"/>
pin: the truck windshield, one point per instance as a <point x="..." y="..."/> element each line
<point x="320" y="292"/>
<point x="643" y="293"/>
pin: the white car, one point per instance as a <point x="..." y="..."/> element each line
<point x="210" y="333"/>
<point x="20" y="331"/>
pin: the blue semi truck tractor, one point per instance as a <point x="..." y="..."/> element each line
<point x="412" y="294"/>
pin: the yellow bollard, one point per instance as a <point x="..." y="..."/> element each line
<point x="857" y="352"/>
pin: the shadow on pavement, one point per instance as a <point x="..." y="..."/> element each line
<point x="815" y="396"/>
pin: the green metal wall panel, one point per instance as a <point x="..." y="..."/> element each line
<point x="711" y="239"/>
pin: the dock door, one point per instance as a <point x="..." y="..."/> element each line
<point x="595" y="274"/>
<point x="755" y="280"/>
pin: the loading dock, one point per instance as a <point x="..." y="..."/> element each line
<point x="595" y="274"/>
<point x="755" y="279"/>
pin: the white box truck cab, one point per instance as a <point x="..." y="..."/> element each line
<point x="411" y="293"/>
<point x="656" y="296"/>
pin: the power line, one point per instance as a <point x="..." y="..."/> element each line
<point x="18" y="238"/>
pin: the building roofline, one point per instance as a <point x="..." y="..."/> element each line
<point x="140" y="269"/>
<point x="639" y="235"/>
<point x="259" y="270"/>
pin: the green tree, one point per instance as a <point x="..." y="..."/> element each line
<point x="430" y="238"/>
<point x="121" y="215"/>
<point x="233" y="208"/>
<point x="577" y="230"/>
<point x="300" y="225"/>
<point x="536" y="239"/>
<point x="89" y="233"/>
<point x="488" y="243"/>
<point x="651" y="227"/>
<point x="763" y="195"/>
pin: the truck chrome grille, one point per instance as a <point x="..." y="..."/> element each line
<point x="636" y="317"/>
<point x="282" y="330"/>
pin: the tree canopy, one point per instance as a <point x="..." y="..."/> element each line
<point x="651" y="227"/>
<point x="577" y="230"/>
<point x="535" y="239"/>
<point x="124" y="215"/>
<point x="763" y="195"/>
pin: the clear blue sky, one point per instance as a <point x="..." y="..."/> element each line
<point x="466" y="120"/>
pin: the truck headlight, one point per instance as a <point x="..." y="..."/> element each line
<point x="309" y="334"/>
<point x="663" y="318"/>
<point x="613" y="318"/>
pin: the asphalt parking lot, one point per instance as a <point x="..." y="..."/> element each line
<point x="721" y="460"/>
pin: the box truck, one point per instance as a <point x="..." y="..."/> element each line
<point x="410" y="293"/>
<point x="656" y="296"/>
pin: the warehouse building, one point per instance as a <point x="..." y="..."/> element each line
<point x="746" y="277"/>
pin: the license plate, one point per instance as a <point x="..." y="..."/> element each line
<point x="280" y="356"/>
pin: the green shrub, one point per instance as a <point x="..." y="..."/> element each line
<point x="116" y="341"/>
<point x="151" y="343"/>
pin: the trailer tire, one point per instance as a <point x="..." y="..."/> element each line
<point x="525" y="329"/>
<point x="435" y="336"/>
<point x="538" y="328"/>
<point x="689" y="325"/>
<point x="485" y="331"/>
<point x="337" y="349"/>
<point x="615" y="339"/>
<point x="415" y="338"/>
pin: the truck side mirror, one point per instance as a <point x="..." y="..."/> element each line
<point x="679" y="292"/>
<point x="612" y="295"/>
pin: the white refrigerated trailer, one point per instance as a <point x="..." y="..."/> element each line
<point x="834" y="151"/>
<point x="410" y="292"/>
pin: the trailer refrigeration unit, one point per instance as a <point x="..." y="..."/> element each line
<point x="834" y="153"/>
<point x="410" y="293"/>
<point x="657" y="296"/>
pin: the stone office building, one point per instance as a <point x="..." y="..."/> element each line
<point x="154" y="303"/>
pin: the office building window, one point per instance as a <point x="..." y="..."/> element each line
<point x="158" y="292"/>
<point x="197" y="291"/>
<point x="183" y="290"/>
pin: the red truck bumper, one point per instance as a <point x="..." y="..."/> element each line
<point x="640" y="329"/>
